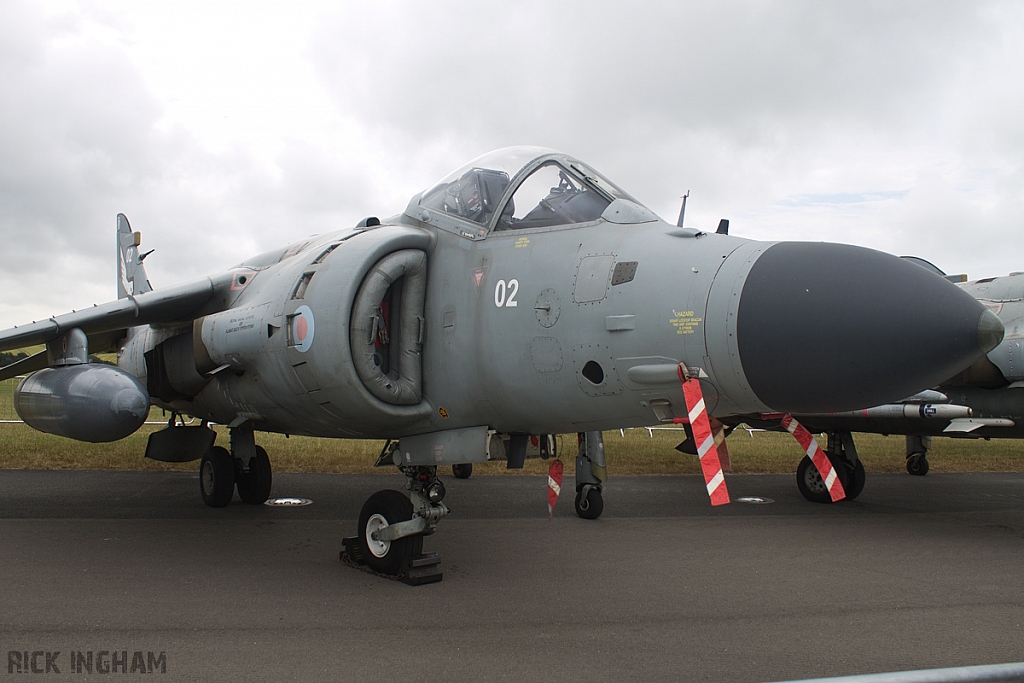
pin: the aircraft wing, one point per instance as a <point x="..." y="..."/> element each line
<point x="105" y="323"/>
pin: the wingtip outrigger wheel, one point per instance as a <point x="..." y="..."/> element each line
<point x="917" y="455"/>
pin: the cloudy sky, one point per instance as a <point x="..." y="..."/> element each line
<point x="225" y="129"/>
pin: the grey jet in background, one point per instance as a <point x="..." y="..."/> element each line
<point x="984" y="401"/>
<point x="524" y="294"/>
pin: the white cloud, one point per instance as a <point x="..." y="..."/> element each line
<point x="224" y="129"/>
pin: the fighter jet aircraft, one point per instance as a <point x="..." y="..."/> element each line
<point x="523" y="294"/>
<point x="984" y="401"/>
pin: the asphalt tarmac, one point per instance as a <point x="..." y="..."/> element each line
<point x="917" y="573"/>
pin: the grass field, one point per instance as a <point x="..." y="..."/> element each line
<point x="636" y="452"/>
<point x="21" y="447"/>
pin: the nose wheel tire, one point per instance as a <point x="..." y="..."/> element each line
<point x="254" y="485"/>
<point x="855" y="481"/>
<point x="813" y="488"/>
<point x="591" y="505"/>
<point x="462" y="471"/>
<point x="217" y="477"/>
<point x="811" y="485"/>
<point x="381" y="510"/>
<point x="917" y="464"/>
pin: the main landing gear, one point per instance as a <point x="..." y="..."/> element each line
<point x="917" y="454"/>
<point x="842" y="453"/>
<point x="591" y="473"/>
<point x="245" y="468"/>
<point x="391" y="528"/>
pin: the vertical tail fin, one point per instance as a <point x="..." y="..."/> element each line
<point x="131" y="274"/>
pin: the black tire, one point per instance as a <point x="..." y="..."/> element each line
<point x="254" y="486"/>
<point x="855" y="483"/>
<point x="217" y="477"/>
<point x="811" y="485"/>
<point x="917" y="464"/>
<point x="592" y="506"/>
<point x="462" y="471"/>
<point x="383" y="509"/>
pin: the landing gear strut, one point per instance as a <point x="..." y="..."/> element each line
<point x="842" y="453"/>
<point x="391" y="528"/>
<point x="917" y="454"/>
<point x="246" y="467"/>
<point x="591" y="473"/>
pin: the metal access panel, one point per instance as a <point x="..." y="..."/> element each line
<point x="450" y="447"/>
<point x="592" y="276"/>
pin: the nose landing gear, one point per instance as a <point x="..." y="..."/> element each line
<point x="389" y="539"/>
<point x="849" y="469"/>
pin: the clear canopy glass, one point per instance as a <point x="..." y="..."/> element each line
<point x="474" y="191"/>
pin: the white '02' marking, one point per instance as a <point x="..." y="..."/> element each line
<point x="505" y="295"/>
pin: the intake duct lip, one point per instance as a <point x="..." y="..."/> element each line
<point x="831" y="327"/>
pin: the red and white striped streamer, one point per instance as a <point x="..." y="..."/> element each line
<point x="817" y="456"/>
<point x="554" y="485"/>
<point x="718" y="429"/>
<point x="714" y="478"/>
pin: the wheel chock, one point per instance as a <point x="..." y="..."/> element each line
<point x="419" y="570"/>
<point x="353" y="550"/>
<point x="423" y="569"/>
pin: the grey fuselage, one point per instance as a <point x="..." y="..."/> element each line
<point x="524" y="293"/>
<point x="515" y="367"/>
<point x="575" y="316"/>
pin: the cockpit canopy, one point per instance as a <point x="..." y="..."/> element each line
<point x="516" y="188"/>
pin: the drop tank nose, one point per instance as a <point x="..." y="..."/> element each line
<point x="821" y="327"/>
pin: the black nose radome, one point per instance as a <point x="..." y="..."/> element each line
<point x="990" y="331"/>
<point x="828" y="327"/>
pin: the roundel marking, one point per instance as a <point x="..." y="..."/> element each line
<point x="302" y="329"/>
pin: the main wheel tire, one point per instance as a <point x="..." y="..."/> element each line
<point x="812" y="486"/>
<point x="855" y="482"/>
<point x="383" y="509"/>
<point x="217" y="477"/>
<point x="917" y="464"/>
<point x="462" y="471"/>
<point x="254" y="486"/>
<point x="590" y="507"/>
